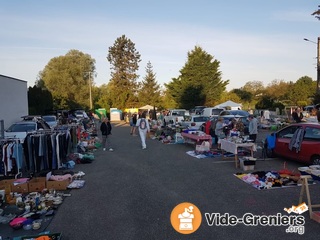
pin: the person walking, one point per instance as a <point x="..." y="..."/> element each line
<point x="253" y="128"/>
<point x="144" y="129"/>
<point x="105" y="129"/>
<point x="133" y="123"/>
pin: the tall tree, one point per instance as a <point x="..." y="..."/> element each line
<point x="124" y="60"/>
<point x="278" y="90"/>
<point x="256" y="88"/>
<point x="40" y="100"/>
<point x="150" y="89"/>
<point x="199" y="82"/>
<point x="302" y="91"/>
<point x="67" y="78"/>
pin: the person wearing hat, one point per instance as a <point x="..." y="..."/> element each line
<point x="253" y="128"/>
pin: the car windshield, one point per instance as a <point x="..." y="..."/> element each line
<point x="24" y="127"/>
<point x="201" y="119"/>
<point x="49" y="118"/>
<point x="178" y="113"/>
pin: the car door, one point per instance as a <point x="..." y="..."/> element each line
<point x="283" y="138"/>
<point x="310" y="145"/>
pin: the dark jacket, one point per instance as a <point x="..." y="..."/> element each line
<point x="297" y="117"/>
<point x="105" y="128"/>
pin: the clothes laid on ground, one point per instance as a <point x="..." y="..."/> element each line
<point x="268" y="179"/>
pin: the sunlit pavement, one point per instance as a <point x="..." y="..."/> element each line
<point x="130" y="193"/>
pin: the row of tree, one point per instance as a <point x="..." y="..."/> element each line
<point x="65" y="81"/>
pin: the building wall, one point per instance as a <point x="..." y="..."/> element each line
<point x="13" y="99"/>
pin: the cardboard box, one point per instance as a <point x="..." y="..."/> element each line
<point x="20" y="188"/>
<point x="6" y="188"/>
<point x="58" y="185"/>
<point x="37" y="184"/>
<point x="247" y="163"/>
<point x="6" y="185"/>
<point x="248" y="167"/>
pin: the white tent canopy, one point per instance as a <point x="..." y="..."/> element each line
<point x="147" y="107"/>
<point x="231" y="104"/>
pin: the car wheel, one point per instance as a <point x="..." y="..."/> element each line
<point x="315" y="160"/>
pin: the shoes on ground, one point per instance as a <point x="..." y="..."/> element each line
<point x="110" y="150"/>
<point x="144" y="148"/>
<point x="104" y="149"/>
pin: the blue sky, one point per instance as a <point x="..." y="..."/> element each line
<point x="253" y="40"/>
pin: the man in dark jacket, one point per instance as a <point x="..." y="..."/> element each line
<point x="105" y="129"/>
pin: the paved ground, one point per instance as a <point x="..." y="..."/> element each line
<point x="130" y="193"/>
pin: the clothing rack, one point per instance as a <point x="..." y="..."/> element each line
<point x="18" y="164"/>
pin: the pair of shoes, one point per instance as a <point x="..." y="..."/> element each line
<point x="144" y="148"/>
<point x="104" y="149"/>
<point x="110" y="150"/>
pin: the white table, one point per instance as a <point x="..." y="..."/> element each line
<point x="232" y="147"/>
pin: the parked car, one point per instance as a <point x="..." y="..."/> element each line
<point x="174" y="116"/>
<point x="19" y="130"/>
<point x="197" y="110"/>
<point x="80" y="114"/>
<point x="51" y="120"/>
<point x="234" y="113"/>
<point x="194" y="121"/>
<point x="211" y="111"/>
<point x="309" y="152"/>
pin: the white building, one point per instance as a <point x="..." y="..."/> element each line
<point x="13" y="99"/>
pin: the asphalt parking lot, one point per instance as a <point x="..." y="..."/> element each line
<point x="130" y="194"/>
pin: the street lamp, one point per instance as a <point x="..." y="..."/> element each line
<point x="90" y="73"/>
<point x="318" y="62"/>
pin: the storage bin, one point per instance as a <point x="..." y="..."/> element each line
<point x="246" y="164"/>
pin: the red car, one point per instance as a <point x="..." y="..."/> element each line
<point x="298" y="141"/>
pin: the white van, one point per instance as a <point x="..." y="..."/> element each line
<point x="211" y="111"/>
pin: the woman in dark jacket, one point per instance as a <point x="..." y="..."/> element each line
<point x="105" y="129"/>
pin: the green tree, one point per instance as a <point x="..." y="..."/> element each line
<point x="256" y="88"/>
<point x="278" y="89"/>
<point x="40" y="100"/>
<point x="103" y="100"/>
<point x="265" y="102"/>
<point x="199" y="82"/>
<point x="124" y="60"/>
<point x="243" y="95"/>
<point x="302" y="90"/>
<point x="150" y="89"/>
<point x="67" y="78"/>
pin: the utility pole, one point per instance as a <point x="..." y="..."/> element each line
<point x="318" y="63"/>
<point x="318" y="66"/>
<point x="90" y="73"/>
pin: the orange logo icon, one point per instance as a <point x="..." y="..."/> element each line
<point x="186" y="218"/>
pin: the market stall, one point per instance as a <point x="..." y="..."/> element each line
<point x="196" y="137"/>
<point x="232" y="147"/>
